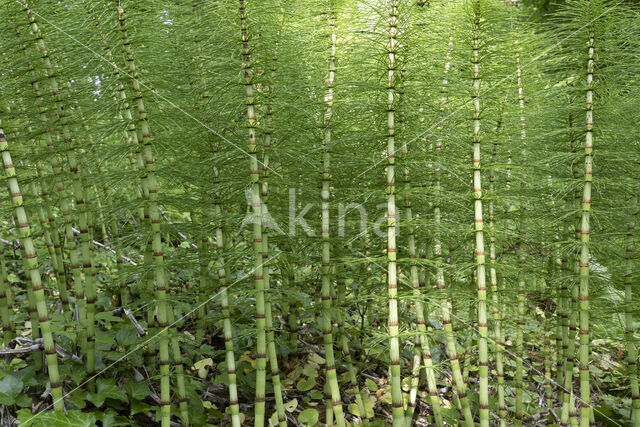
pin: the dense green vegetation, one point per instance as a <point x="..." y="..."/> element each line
<point x="329" y="212"/>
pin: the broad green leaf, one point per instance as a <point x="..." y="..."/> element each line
<point x="371" y="384"/>
<point x="11" y="384"/>
<point x="10" y="388"/>
<point x="138" y="406"/>
<point x="126" y="336"/>
<point x="369" y="401"/>
<point x="112" y="419"/>
<point x="25" y="417"/>
<point x="23" y="401"/>
<point x="308" y="417"/>
<point x="306" y="384"/>
<point x="78" y="398"/>
<point x="61" y="419"/>
<point x="387" y="396"/>
<point x="315" y="394"/>
<point x="137" y="390"/>
<point x="17" y="363"/>
<point x="27" y="376"/>
<point x="107" y="389"/>
<point x="105" y="339"/>
<point x="310" y="371"/>
<point x="108" y="316"/>
<point x="353" y="408"/>
<point x="316" y="358"/>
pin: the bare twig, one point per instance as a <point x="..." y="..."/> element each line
<point x="22" y="345"/>
<point x="21" y="350"/>
<point x="132" y="318"/>
<point x="108" y="249"/>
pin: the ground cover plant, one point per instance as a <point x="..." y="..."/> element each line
<point x="319" y="212"/>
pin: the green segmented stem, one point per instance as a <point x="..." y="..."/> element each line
<point x="72" y="161"/>
<point x="325" y="195"/>
<point x="445" y="302"/>
<point x="32" y="272"/>
<point x="130" y="136"/>
<point x="264" y="188"/>
<point x="55" y="166"/>
<point x="8" y="330"/>
<point x="151" y="206"/>
<point x="583" y="357"/>
<point x="417" y="283"/>
<point x="631" y="347"/>
<point x="85" y="225"/>
<point x="65" y="204"/>
<point x="392" y="279"/>
<point x="39" y="190"/>
<point x="483" y="327"/>
<point x="496" y="312"/>
<point x="256" y="204"/>
<point x="183" y="401"/>
<point x="204" y="286"/>
<point x="222" y="245"/>
<point x="415" y="380"/>
<point x="519" y="376"/>
<point x="569" y="320"/>
<point x="553" y="263"/>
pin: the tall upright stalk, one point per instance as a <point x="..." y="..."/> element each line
<point x="325" y="195"/>
<point x="392" y="280"/>
<point x="583" y="357"/>
<point x="48" y="138"/>
<point x="32" y="271"/>
<point x="256" y="204"/>
<point x="266" y="264"/>
<point x="631" y="348"/>
<point x="422" y="341"/>
<point x="483" y="327"/>
<point x="222" y="244"/>
<point x="177" y="360"/>
<point x="496" y="311"/>
<point x="445" y="301"/>
<point x="8" y="330"/>
<point x="151" y="204"/>
<point x="569" y="318"/>
<point x="519" y="377"/>
<point x="65" y="201"/>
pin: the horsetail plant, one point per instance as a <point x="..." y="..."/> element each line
<point x="445" y="302"/>
<point x="256" y="205"/>
<point x="495" y="298"/>
<point x="34" y="279"/>
<point x="149" y="180"/>
<point x="631" y="348"/>
<point x="65" y="202"/>
<point x="520" y="250"/>
<point x="264" y="191"/>
<point x="222" y="245"/>
<point x="325" y="195"/>
<point x="483" y="360"/>
<point x="585" y="230"/>
<point x="392" y="279"/>
<point x="88" y="158"/>
<point x="422" y="341"/>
